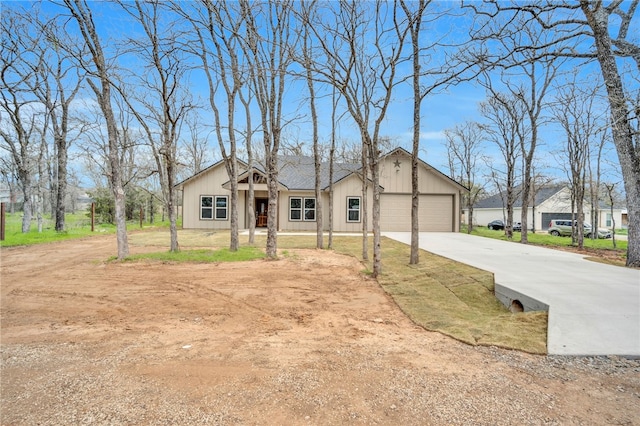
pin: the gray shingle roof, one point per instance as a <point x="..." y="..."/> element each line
<point x="496" y="202"/>
<point x="298" y="173"/>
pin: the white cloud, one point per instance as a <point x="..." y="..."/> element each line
<point x="432" y="136"/>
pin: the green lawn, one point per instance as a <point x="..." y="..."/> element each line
<point x="544" y="239"/>
<point x="77" y="225"/>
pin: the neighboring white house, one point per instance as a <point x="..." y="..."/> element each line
<point x="551" y="202"/>
<point x="206" y="196"/>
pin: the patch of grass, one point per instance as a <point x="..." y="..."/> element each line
<point x="243" y="254"/>
<point x="544" y="239"/>
<point x="457" y="300"/>
<point x="77" y="225"/>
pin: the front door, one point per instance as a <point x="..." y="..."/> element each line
<point x="262" y="207"/>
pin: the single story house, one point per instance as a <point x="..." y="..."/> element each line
<point x="551" y="202"/>
<point x="206" y="196"/>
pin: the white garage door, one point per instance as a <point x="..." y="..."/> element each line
<point x="435" y="214"/>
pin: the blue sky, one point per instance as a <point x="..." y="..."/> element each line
<point x="440" y="111"/>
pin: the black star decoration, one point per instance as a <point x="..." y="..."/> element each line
<point x="397" y="164"/>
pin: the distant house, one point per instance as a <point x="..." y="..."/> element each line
<point x="551" y="202"/>
<point x="206" y="196"/>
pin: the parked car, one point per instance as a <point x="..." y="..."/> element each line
<point x="498" y="224"/>
<point x="559" y="227"/>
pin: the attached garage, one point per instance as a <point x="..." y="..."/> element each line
<point x="436" y="213"/>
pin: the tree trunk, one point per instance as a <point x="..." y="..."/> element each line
<point x="61" y="186"/>
<point x="272" y="214"/>
<point x="82" y="15"/>
<point x="365" y="202"/>
<point x="621" y="127"/>
<point x="375" y="181"/>
<point x="414" y="257"/>
<point x="27" y="205"/>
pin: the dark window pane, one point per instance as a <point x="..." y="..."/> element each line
<point x="221" y="201"/>
<point x="206" y="201"/>
<point x="206" y="213"/>
<point x="309" y="203"/>
<point x="296" y="203"/>
<point x="354" y="216"/>
<point x="354" y="203"/>
<point x="310" y="215"/>
<point x="296" y="214"/>
<point x="221" y="213"/>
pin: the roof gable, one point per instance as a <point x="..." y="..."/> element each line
<point x="437" y="173"/>
<point x="297" y="172"/>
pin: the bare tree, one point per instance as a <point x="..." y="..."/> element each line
<point x="60" y="83"/>
<point x="307" y="46"/>
<point x="365" y="50"/>
<point x="525" y="73"/>
<point x="577" y="112"/>
<point x="268" y="46"/>
<point x="163" y="106"/>
<point x="464" y="148"/>
<point x="100" y="83"/>
<point x="506" y="116"/>
<point x="415" y="22"/>
<point x="193" y="153"/>
<point x="608" y="25"/>
<point x="612" y="200"/>
<point x="8" y="176"/>
<point x="248" y="135"/>
<point x="19" y="76"/>
<point x="601" y="139"/>
<point x="217" y="28"/>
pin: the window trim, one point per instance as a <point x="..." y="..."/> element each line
<point x="216" y="208"/>
<point x="303" y="209"/>
<point x="208" y="208"/>
<point x="359" y="209"/>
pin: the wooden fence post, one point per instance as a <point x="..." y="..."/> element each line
<point x="93" y="217"/>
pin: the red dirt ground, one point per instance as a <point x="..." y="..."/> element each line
<point x="307" y="339"/>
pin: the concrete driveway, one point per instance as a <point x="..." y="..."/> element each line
<point x="594" y="309"/>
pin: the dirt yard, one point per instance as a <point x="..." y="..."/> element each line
<point x="303" y="340"/>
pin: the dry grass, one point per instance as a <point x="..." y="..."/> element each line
<point x="457" y="300"/>
<point x="437" y="294"/>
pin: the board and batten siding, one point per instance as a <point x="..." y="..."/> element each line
<point x="349" y="187"/>
<point x="439" y="202"/>
<point x="285" y="224"/>
<point x="208" y="183"/>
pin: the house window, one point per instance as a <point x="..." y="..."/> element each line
<point x="213" y="207"/>
<point x="221" y="207"/>
<point x="310" y="209"/>
<point x="206" y="207"/>
<point x="353" y="209"/>
<point x="608" y="220"/>
<point x="302" y="209"/>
